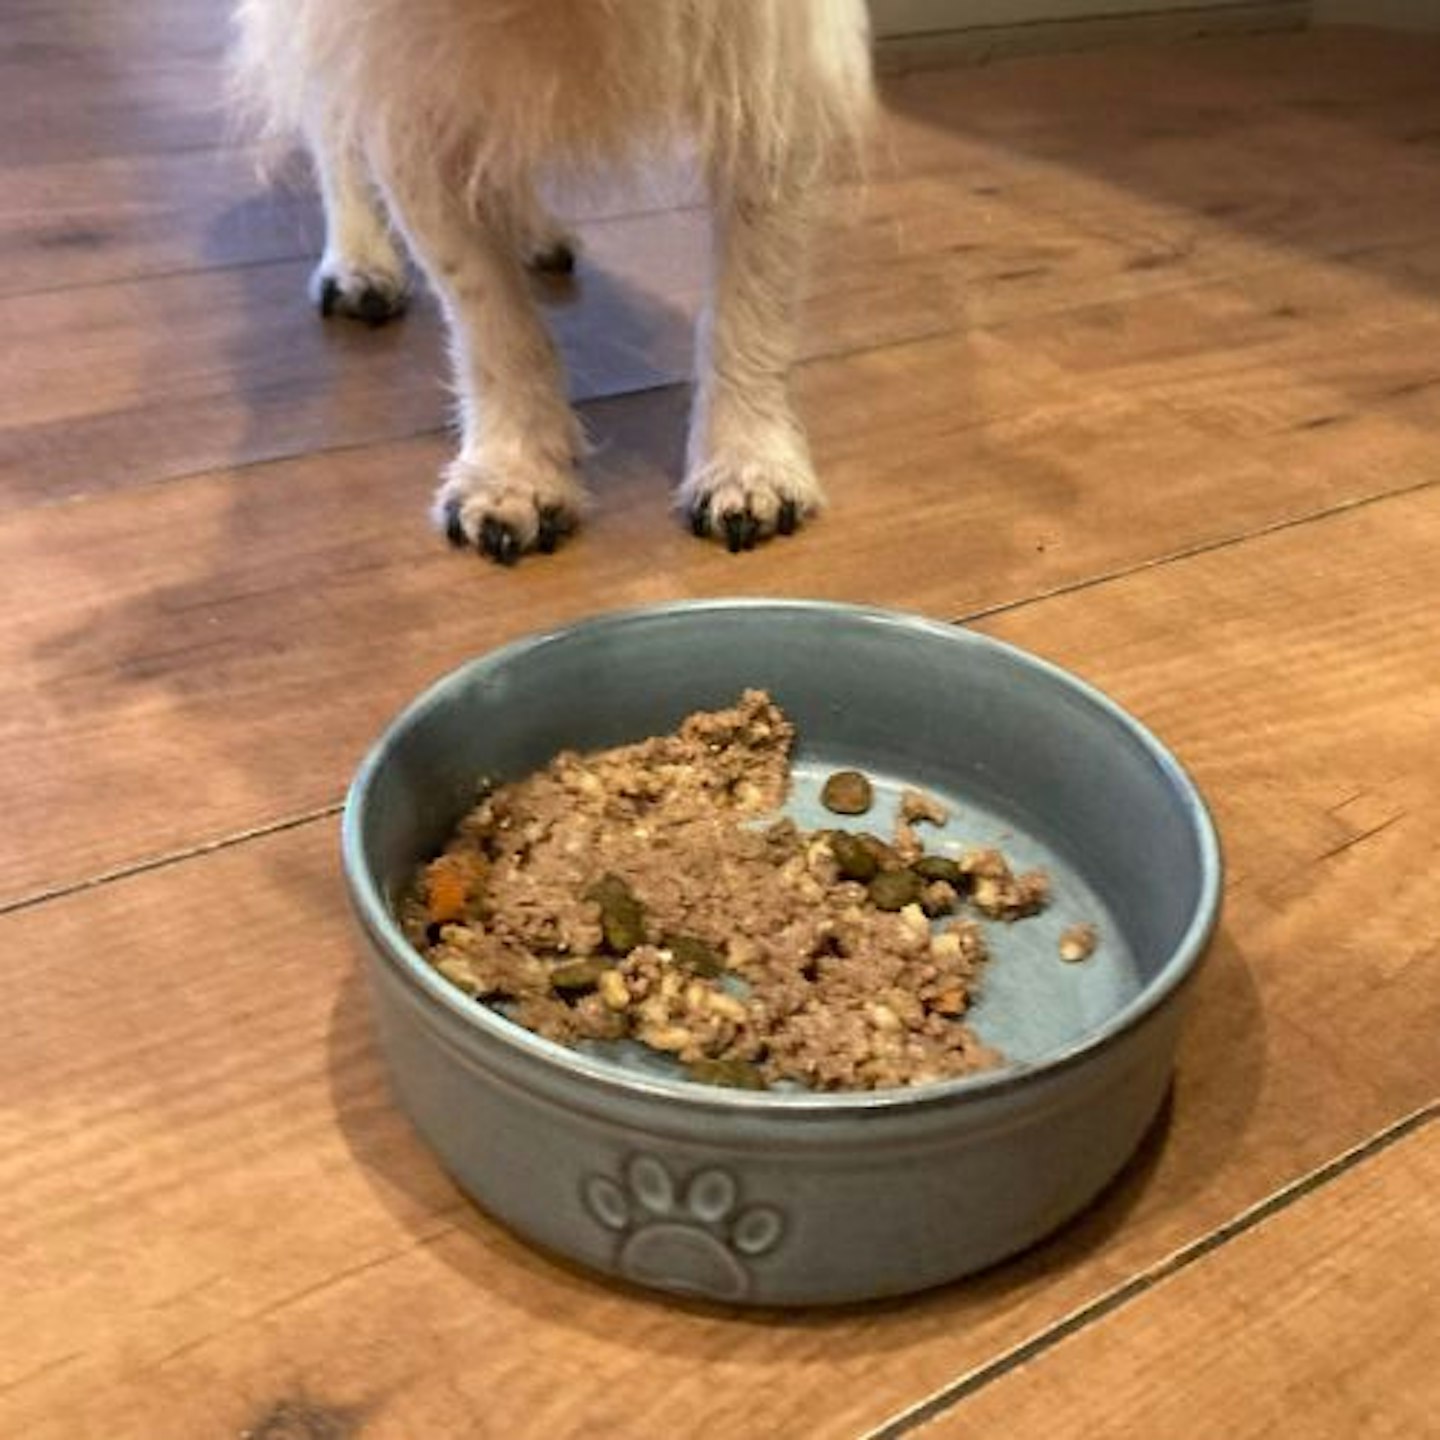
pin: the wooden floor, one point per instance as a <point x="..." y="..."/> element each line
<point x="1132" y="358"/>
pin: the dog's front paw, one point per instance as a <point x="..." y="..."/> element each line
<point x="744" y="499"/>
<point x="372" y="293"/>
<point x="503" y="513"/>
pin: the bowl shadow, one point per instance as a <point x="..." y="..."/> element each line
<point x="1198" y="1127"/>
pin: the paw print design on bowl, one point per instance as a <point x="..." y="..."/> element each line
<point x="693" y="1238"/>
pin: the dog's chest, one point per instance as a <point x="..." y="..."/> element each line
<point x="586" y="73"/>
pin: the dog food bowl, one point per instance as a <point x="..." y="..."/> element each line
<point x="787" y="1198"/>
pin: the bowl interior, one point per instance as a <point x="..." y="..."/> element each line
<point x="1026" y="757"/>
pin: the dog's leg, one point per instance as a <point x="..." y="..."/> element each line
<point x="362" y="272"/>
<point x="748" y="468"/>
<point x="513" y="485"/>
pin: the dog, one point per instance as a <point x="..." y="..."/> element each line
<point x="442" y="119"/>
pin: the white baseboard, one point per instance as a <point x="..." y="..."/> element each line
<point x="979" y="43"/>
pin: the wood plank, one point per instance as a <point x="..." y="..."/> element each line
<point x="191" y="1255"/>
<point x="1322" y="1323"/>
<point x="1058" y="337"/>
<point x="119" y="79"/>
<point x="192" y="625"/>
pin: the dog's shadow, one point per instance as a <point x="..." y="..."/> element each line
<point x="623" y="322"/>
<point x="325" y="456"/>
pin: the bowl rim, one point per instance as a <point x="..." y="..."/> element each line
<point x="383" y="930"/>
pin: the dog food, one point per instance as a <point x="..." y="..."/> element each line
<point x="648" y="893"/>
<point x="1078" y="942"/>
<point x="847" y="792"/>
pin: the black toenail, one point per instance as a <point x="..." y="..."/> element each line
<point x="558" y="259"/>
<point x="454" y="530"/>
<point x="734" y="523"/>
<point x="700" y="520"/>
<point x="552" y="526"/>
<point x="329" y="295"/>
<point x="788" y="518"/>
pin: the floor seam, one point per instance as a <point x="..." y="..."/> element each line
<point x="1199" y="548"/>
<point x="168" y="858"/>
<point x="1251" y="1218"/>
<point x="969" y="617"/>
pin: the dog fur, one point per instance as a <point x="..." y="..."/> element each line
<point x="447" y="115"/>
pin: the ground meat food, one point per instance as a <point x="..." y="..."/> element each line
<point x="917" y="805"/>
<point x="997" y="892"/>
<point x="647" y="893"/>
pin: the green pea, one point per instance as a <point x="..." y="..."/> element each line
<point x="937" y="867"/>
<point x="622" y="916"/>
<point x="693" y="954"/>
<point x="853" y="856"/>
<point x="572" y="977"/>
<point x="732" y="1074"/>
<point x="895" y="889"/>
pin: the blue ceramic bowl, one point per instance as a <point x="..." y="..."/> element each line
<point x="796" y="1198"/>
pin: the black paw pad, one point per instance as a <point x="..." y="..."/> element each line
<point x="454" y="530"/>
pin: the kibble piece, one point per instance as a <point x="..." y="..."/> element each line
<point x="894" y="889"/>
<point x="1078" y="942"/>
<point x="847" y="792"/>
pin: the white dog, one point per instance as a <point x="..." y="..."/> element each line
<point x="452" y="111"/>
